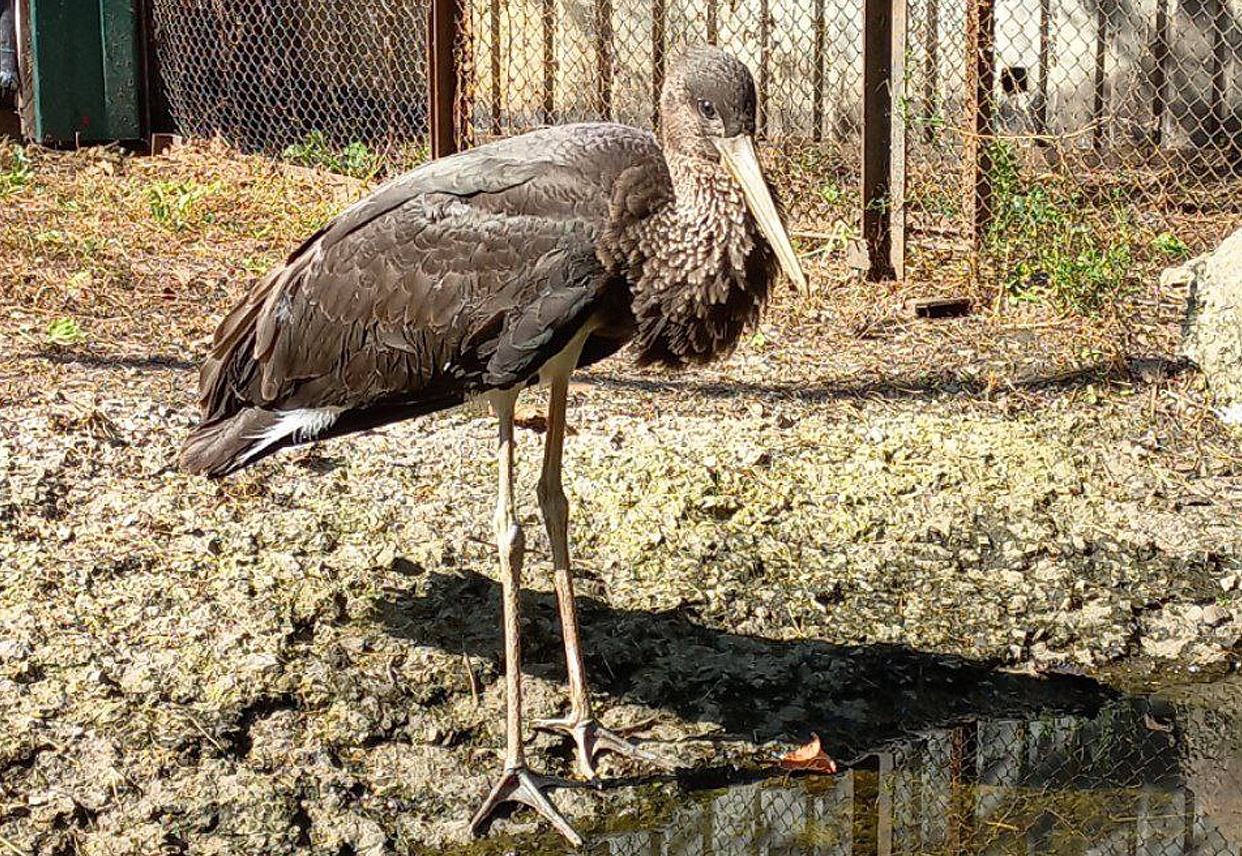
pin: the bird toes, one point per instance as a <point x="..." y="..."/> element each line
<point x="519" y="785"/>
<point x="592" y="740"/>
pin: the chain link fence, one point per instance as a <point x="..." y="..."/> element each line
<point x="1060" y="149"/>
<point x="340" y="85"/>
<point x="544" y="62"/>
<point x="1112" y="136"/>
<point x="1057" y="149"/>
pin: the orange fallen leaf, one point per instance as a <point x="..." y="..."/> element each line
<point x="810" y="757"/>
<point x="530" y="418"/>
<point x="533" y="418"/>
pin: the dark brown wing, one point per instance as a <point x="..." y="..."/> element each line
<point x="463" y="276"/>
<point x="420" y="305"/>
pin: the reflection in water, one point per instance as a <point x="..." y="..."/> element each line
<point x="1063" y="786"/>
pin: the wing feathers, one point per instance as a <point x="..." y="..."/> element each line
<point x="380" y="333"/>
<point x="464" y="275"/>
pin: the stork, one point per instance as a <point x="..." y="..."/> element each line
<point x="489" y="271"/>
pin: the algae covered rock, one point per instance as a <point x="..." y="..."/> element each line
<point x="1213" y="333"/>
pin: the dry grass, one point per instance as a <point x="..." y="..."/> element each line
<point x="143" y="253"/>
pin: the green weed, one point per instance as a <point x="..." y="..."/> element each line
<point x="256" y="266"/>
<point x="172" y="202"/>
<point x="64" y="331"/>
<point x="831" y="193"/>
<point x="355" y="159"/>
<point x="1049" y="244"/>
<point x="1170" y="246"/>
<point x="840" y="236"/>
<point x="15" y="171"/>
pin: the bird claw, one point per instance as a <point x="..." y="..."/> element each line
<point x="519" y="785"/>
<point x="592" y="740"/>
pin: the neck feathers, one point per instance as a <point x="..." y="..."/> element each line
<point x="698" y="269"/>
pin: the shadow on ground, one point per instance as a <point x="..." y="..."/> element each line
<point x="143" y="362"/>
<point x="896" y="388"/>
<point x="757" y="689"/>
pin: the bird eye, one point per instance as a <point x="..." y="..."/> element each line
<point x="707" y="110"/>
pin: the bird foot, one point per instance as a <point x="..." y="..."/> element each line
<point x="593" y="740"/>
<point x="519" y="785"/>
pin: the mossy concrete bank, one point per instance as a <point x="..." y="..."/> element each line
<point x="308" y="655"/>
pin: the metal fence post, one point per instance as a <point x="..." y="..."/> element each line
<point x="884" y="805"/>
<point x="899" y="105"/>
<point x="765" y="52"/>
<point x="1219" y="25"/>
<point x="1045" y="56"/>
<point x="817" y="75"/>
<point x="877" y="134"/>
<point x="865" y="810"/>
<point x="1160" y="59"/>
<point x="931" y="69"/>
<point x="443" y="24"/>
<point x="1099" y="78"/>
<point x="977" y="145"/>
<point x="603" y="53"/>
<point x="548" y="108"/>
<point x="657" y="59"/>
<point x="494" y="35"/>
<point x="963" y="776"/>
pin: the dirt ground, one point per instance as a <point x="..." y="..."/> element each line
<point x="858" y="525"/>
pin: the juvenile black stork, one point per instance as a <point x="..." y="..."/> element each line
<point x="483" y="273"/>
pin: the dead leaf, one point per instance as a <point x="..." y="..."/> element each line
<point x="533" y="418"/>
<point x="525" y="416"/>
<point x="810" y="757"/>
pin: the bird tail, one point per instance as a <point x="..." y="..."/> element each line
<point x="218" y="447"/>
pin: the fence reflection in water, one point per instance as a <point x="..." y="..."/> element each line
<point x="1069" y="786"/>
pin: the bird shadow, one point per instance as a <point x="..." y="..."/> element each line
<point x="757" y="688"/>
<point x="145" y="362"/>
<point x="891" y="388"/>
<point x="924" y="386"/>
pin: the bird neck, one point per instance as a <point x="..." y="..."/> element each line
<point x="707" y="215"/>
<point x="698" y="270"/>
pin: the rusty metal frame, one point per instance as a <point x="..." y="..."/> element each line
<point x="445" y="20"/>
<point x="980" y="105"/>
<point x="659" y="48"/>
<point x="1159" y="72"/>
<point x="883" y="162"/>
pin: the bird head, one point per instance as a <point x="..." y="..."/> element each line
<point x="707" y="112"/>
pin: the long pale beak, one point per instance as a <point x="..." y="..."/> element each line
<point x="738" y="155"/>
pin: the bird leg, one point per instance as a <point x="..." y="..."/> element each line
<point x="517" y="783"/>
<point x="590" y="737"/>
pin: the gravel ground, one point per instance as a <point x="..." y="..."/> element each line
<point x="857" y="525"/>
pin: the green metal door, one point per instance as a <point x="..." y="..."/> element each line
<point x="84" y="71"/>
